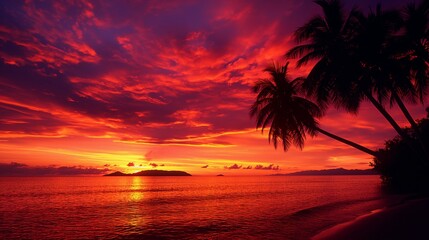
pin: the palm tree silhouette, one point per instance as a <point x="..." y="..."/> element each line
<point x="376" y="52"/>
<point x="326" y="40"/>
<point x="354" y="59"/>
<point x="394" y="64"/>
<point x="415" y="55"/>
<point x="291" y="116"/>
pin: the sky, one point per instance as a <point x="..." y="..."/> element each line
<point x="88" y="87"/>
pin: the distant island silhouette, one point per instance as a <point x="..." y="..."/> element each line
<point x="335" y="171"/>
<point x="149" y="173"/>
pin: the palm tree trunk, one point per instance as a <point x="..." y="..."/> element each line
<point x="398" y="129"/>
<point x="405" y="110"/>
<point x="350" y="143"/>
<point x="412" y="122"/>
<point x="386" y="115"/>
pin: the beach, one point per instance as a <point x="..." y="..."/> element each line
<point x="406" y="220"/>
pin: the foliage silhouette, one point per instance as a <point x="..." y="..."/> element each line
<point x="289" y="115"/>
<point x="398" y="165"/>
<point x="361" y="58"/>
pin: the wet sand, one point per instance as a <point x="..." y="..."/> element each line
<point x="408" y="220"/>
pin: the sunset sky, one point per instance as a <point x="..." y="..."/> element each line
<point x="135" y="85"/>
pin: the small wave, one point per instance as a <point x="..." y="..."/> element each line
<point x="329" y="206"/>
<point x="185" y="231"/>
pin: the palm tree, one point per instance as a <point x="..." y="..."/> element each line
<point x="415" y="48"/>
<point x="291" y="117"/>
<point x="326" y="40"/>
<point x="376" y="52"/>
<point x="391" y="62"/>
<point x="347" y="71"/>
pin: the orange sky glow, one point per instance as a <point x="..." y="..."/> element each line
<point x="129" y="86"/>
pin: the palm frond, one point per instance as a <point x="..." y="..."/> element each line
<point x="277" y="105"/>
<point x="313" y="27"/>
<point x="315" y="55"/>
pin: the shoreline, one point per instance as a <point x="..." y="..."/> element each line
<point x="404" y="220"/>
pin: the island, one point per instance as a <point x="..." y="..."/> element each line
<point x="149" y="173"/>
<point x="219" y="175"/>
<point x="335" y="171"/>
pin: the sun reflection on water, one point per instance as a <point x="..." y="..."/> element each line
<point x="135" y="217"/>
<point x="136" y="187"/>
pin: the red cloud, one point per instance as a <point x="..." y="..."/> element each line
<point x="269" y="167"/>
<point x="234" y="166"/>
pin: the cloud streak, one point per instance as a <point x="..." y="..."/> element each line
<point x="256" y="167"/>
<point x="269" y="167"/>
<point x="91" y="66"/>
<point x="234" y="166"/>
<point x="19" y="169"/>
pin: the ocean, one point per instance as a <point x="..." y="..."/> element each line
<point x="197" y="207"/>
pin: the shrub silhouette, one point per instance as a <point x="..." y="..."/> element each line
<point x="400" y="168"/>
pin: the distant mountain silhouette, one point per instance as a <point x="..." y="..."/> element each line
<point x="150" y="173"/>
<point x="335" y="171"/>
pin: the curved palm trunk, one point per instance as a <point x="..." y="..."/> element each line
<point x="412" y="122"/>
<point x="386" y="115"/>
<point x="397" y="128"/>
<point x="405" y="110"/>
<point x="350" y="143"/>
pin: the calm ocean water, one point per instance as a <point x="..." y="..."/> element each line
<point x="195" y="207"/>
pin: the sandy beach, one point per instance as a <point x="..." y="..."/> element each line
<point x="407" y="220"/>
